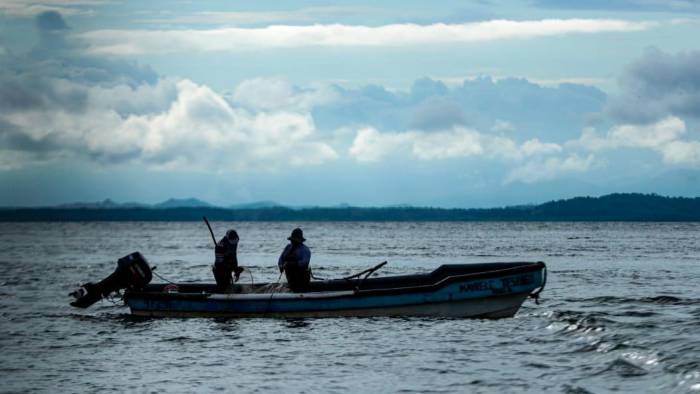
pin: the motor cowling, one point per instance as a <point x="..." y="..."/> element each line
<point x="133" y="272"/>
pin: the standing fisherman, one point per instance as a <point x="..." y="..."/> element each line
<point x="294" y="261"/>
<point x="226" y="261"/>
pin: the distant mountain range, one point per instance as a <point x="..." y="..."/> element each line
<point x="612" y="207"/>
<point x="167" y="204"/>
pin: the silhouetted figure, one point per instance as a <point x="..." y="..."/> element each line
<point x="226" y="261"/>
<point x="294" y="261"/>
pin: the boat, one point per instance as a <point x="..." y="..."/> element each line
<point x="487" y="290"/>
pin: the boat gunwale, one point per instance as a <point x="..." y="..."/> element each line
<point x="529" y="267"/>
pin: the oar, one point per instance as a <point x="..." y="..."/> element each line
<point x="366" y="274"/>
<point x="368" y="271"/>
<point x="213" y="238"/>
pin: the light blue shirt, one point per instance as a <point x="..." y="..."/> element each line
<point x="301" y="255"/>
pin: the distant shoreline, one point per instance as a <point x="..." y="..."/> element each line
<point x="612" y="207"/>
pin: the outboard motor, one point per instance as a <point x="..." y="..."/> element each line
<point x="132" y="272"/>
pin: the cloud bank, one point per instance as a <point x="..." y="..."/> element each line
<point x="57" y="103"/>
<point x="370" y="145"/>
<point x="664" y="137"/>
<point x="134" y="42"/>
<point x="657" y="85"/>
<point x="63" y="102"/>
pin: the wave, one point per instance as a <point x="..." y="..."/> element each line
<point x="659" y="300"/>
<point x="622" y="368"/>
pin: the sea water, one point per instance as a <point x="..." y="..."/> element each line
<point x="621" y="312"/>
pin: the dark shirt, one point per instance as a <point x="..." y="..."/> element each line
<point x="225" y="254"/>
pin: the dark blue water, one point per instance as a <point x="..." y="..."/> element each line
<point x="621" y="312"/>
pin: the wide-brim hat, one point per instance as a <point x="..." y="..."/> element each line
<point x="232" y="234"/>
<point x="297" y="235"/>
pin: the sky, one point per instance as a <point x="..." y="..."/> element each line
<point x="447" y="104"/>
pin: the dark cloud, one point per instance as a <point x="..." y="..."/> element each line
<point x="25" y="92"/>
<point x="656" y="85"/>
<point x="58" y="78"/>
<point x="437" y="113"/>
<point x="554" y="114"/>
<point x="50" y="21"/>
<point x="57" y="74"/>
<point x="425" y="88"/>
<point x="12" y="137"/>
<point x="58" y="56"/>
<point x="15" y="94"/>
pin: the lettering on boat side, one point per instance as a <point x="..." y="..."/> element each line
<point x="502" y="285"/>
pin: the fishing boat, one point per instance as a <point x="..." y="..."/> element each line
<point x="488" y="290"/>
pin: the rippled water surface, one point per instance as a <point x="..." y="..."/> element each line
<point x="621" y="312"/>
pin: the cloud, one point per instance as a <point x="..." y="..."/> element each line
<point x="554" y="114"/>
<point x="501" y="125"/>
<point x="132" y="42"/>
<point x="302" y="15"/>
<point x="546" y="169"/>
<point x="446" y="145"/>
<point x="50" y="21"/>
<point x="682" y="153"/>
<point x="534" y="147"/>
<point x="57" y="55"/>
<point x="657" y="85"/>
<point x="370" y="145"/>
<point x="197" y="130"/>
<point x="278" y="93"/>
<point x="437" y="113"/>
<point x="659" y="96"/>
<point x="58" y="103"/>
<point x="30" y="8"/>
<point x="663" y="137"/>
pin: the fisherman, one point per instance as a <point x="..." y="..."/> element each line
<point x="294" y="262"/>
<point x="226" y="261"/>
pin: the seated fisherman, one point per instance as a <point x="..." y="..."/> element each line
<point x="226" y="260"/>
<point x="294" y="261"/>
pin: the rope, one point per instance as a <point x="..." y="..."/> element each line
<point x="314" y="277"/>
<point x="269" y="300"/>
<point x="252" y="281"/>
<point x="153" y="271"/>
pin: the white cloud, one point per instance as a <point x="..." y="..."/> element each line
<point x="447" y="145"/>
<point x="663" y="137"/>
<point x="550" y="168"/>
<point x="682" y="152"/>
<point x="130" y="42"/>
<point x="458" y="80"/>
<point x="534" y="147"/>
<point x="648" y="136"/>
<point x="307" y="14"/>
<point x="278" y="93"/>
<point x="371" y="145"/>
<point x="190" y="126"/>
<point x="502" y="125"/>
